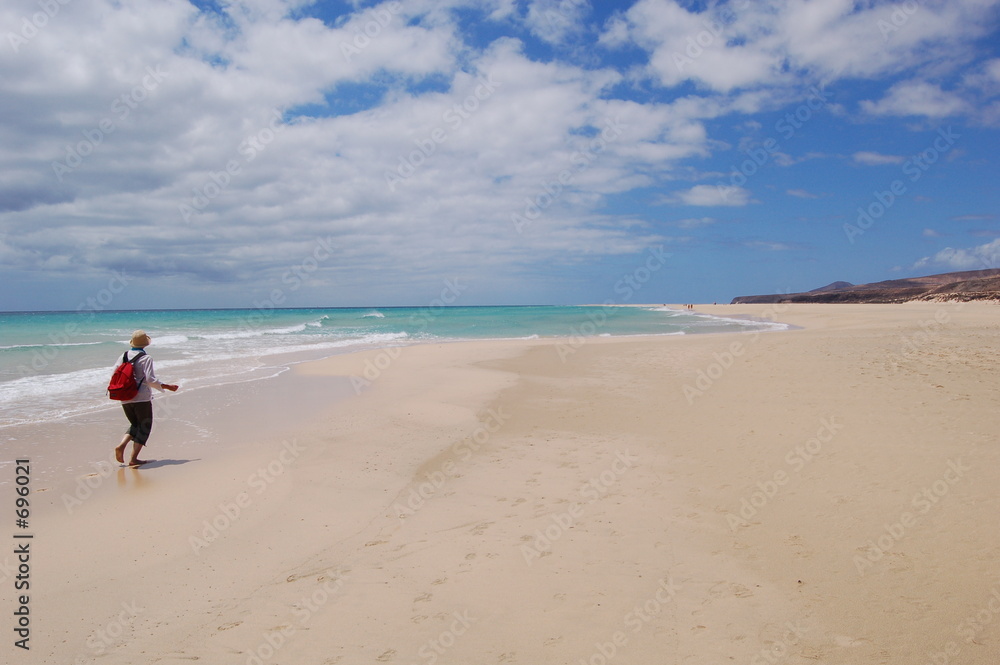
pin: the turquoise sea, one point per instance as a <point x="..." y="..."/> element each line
<point x="57" y="364"/>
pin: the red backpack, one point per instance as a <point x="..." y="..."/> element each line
<point x="123" y="386"/>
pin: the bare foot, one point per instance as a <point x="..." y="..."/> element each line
<point x="120" y="453"/>
<point x="138" y="462"/>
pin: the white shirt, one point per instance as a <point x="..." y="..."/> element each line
<point x="143" y="373"/>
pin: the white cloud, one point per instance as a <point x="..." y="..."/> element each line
<point x="616" y="32"/>
<point x="687" y="45"/>
<point x="770" y="43"/>
<point x="555" y="21"/>
<point x="277" y="129"/>
<point x="875" y="158"/>
<point x="714" y="195"/>
<point x="769" y="246"/>
<point x="491" y="142"/>
<point x="916" y="98"/>
<point x="976" y="258"/>
<point x="696" y="222"/>
<point x="802" y="194"/>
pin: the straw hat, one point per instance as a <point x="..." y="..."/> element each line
<point x="140" y="339"/>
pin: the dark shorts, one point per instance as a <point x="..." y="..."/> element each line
<point x="140" y="418"/>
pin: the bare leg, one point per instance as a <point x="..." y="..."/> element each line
<point x="136" y="449"/>
<point x="120" y="449"/>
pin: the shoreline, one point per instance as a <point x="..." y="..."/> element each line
<point x="191" y="418"/>
<point x="533" y="506"/>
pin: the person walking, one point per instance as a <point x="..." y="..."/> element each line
<point x="139" y="409"/>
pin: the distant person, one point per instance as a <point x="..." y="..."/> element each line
<point x="139" y="409"/>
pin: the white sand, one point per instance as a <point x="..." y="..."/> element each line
<point x="823" y="495"/>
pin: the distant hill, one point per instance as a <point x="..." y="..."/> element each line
<point x="960" y="286"/>
<point x="836" y="286"/>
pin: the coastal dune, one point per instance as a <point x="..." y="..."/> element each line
<point x="824" y="494"/>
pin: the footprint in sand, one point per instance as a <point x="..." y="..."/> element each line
<point x="844" y="641"/>
<point x="480" y="529"/>
<point x="423" y="598"/>
<point x="740" y="591"/>
<point x="737" y="590"/>
<point x="440" y="580"/>
<point x="227" y="626"/>
<point x="386" y="655"/>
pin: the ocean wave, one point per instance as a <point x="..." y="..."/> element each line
<point x="33" y="388"/>
<point x="754" y="323"/>
<point x="248" y="334"/>
<point x="374" y="314"/>
<point x="45" y="346"/>
<point x="170" y="340"/>
<point x="287" y="331"/>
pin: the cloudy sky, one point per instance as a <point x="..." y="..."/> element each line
<point x="199" y="154"/>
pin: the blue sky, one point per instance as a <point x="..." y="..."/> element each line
<point x="228" y="154"/>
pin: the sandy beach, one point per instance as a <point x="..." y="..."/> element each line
<point x="820" y="495"/>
